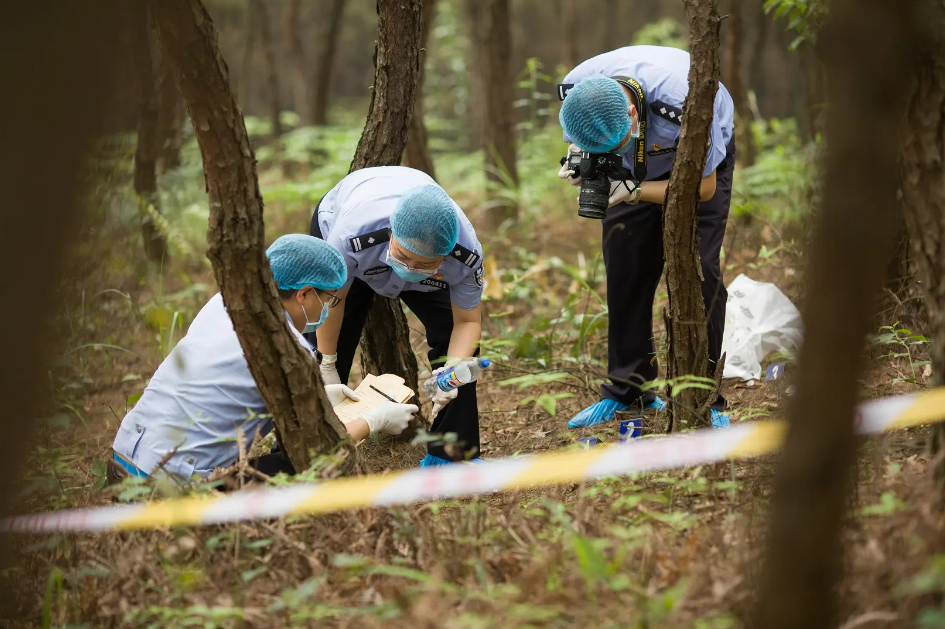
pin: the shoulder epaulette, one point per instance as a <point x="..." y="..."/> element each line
<point x="372" y="239"/>
<point x="464" y="255"/>
<point x="667" y="111"/>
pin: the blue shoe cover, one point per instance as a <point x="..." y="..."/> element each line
<point x="658" y="404"/>
<point x="430" y="461"/>
<point x="719" y="419"/>
<point x="598" y="413"/>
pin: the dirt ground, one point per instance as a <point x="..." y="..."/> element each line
<point x="678" y="549"/>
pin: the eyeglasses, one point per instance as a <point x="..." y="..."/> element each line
<point x="333" y="299"/>
<point x="403" y="265"/>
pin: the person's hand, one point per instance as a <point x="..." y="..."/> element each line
<point x="329" y="369"/>
<point x="565" y="172"/>
<point x="441" y="398"/>
<point x="390" y="418"/>
<point x="338" y="393"/>
<point x="627" y="191"/>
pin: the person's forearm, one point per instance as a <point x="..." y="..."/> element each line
<point x="655" y="191"/>
<point x="327" y="334"/>
<point x="358" y="430"/>
<point x="465" y="339"/>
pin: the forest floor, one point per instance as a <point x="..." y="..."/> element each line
<point x="673" y="549"/>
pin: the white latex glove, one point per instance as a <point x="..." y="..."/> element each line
<point x="329" y="369"/>
<point x="441" y="398"/>
<point x="623" y="192"/>
<point x="564" y="173"/>
<point x="338" y="393"/>
<point x="390" y="418"/>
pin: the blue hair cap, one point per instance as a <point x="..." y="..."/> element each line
<point x="425" y="221"/>
<point x="594" y="114"/>
<point x="298" y="261"/>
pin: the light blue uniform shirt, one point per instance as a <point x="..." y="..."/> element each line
<point x="354" y="218"/>
<point x="664" y="75"/>
<point x="195" y="402"/>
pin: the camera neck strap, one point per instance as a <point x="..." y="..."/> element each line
<point x="639" y="153"/>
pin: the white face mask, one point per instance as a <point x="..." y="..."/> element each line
<point x="311" y="326"/>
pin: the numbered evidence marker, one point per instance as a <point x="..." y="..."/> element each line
<point x="587" y="442"/>
<point x="775" y="371"/>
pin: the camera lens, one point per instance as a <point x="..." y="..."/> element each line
<point x="594" y="197"/>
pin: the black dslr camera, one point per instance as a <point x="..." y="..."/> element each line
<point x="596" y="171"/>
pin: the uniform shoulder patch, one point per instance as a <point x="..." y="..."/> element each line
<point x="464" y="255"/>
<point x="371" y="239"/>
<point x="479" y="272"/>
<point x="377" y="270"/>
<point x="437" y="283"/>
<point x="667" y="111"/>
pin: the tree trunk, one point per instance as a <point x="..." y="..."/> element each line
<point x="756" y="66"/>
<point x="249" y="50"/>
<point x="799" y="579"/>
<point x="477" y="88"/>
<point x="495" y="42"/>
<point x="272" y="73"/>
<point x="384" y="346"/>
<point x="297" y="58"/>
<point x="569" y="33"/>
<point x="325" y="63"/>
<point x="284" y="372"/>
<point x="613" y="37"/>
<point x="922" y="169"/>
<point x="146" y="152"/>
<point x="170" y="117"/>
<point x="686" y="319"/>
<point x="417" y="154"/>
<point x="736" y="84"/>
<point x="60" y="62"/>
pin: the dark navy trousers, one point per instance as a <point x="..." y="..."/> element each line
<point x="633" y="257"/>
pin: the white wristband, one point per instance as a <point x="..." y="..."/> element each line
<point x="329" y="359"/>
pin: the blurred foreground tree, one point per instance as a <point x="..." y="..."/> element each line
<point x="285" y="373"/>
<point x="803" y="564"/>
<point x="146" y="151"/>
<point x="735" y="82"/>
<point x="325" y="63"/>
<point x="417" y="154"/>
<point x="686" y="316"/>
<point x="922" y="171"/>
<point x="384" y="346"/>
<point x="60" y="60"/>
<point x="494" y="42"/>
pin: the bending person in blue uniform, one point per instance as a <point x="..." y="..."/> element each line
<point x="629" y="102"/>
<point x="402" y="236"/>
<point x="203" y="396"/>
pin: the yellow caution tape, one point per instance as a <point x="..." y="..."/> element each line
<point x="568" y="466"/>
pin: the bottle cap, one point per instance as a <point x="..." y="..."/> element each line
<point x="484" y="362"/>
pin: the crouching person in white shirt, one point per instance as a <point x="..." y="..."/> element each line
<point x="203" y="399"/>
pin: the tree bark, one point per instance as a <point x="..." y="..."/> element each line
<point x="146" y="151"/>
<point x="325" y="64"/>
<point x="756" y="65"/>
<point x="922" y="170"/>
<point x="285" y="373"/>
<point x="297" y="58"/>
<point x="803" y="565"/>
<point x="170" y="117"/>
<point x="384" y="346"/>
<point x="249" y="50"/>
<point x="736" y="84"/>
<point x="272" y="73"/>
<point x="612" y="24"/>
<point x="496" y="43"/>
<point x="417" y="154"/>
<point x="569" y="33"/>
<point x="686" y="319"/>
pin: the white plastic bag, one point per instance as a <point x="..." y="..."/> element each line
<point x="759" y="319"/>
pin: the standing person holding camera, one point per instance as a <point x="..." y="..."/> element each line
<point x="621" y="116"/>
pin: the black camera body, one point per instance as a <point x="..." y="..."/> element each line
<point x="596" y="171"/>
